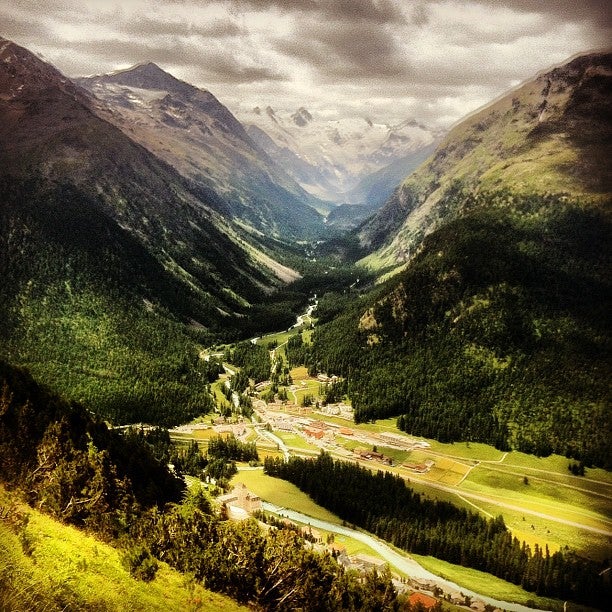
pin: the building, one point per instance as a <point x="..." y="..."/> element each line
<point x="367" y="562"/>
<point x="425" y="600"/>
<point x="419" y="468"/>
<point x="240" y="502"/>
<point x="317" y="434"/>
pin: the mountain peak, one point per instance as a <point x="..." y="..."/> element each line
<point x="147" y="75"/>
<point x="301" y="117"/>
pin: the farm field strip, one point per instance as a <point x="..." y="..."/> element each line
<point x="551" y="480"/>
<point x="591" y="512"/>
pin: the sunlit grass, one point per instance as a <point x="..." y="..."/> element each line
<point x="282" y="493"/>
<point x="484" y="583"/>
<point x="70" y="569"/>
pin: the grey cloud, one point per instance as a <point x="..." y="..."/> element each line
<point x="153" y="27"/>
<point x="17" y="27"/>
<point x="375" y="11"/>
<point x="597" y="11"/>
<point x="351" y="50"/>
<point x="420" y="15"/>
<point x="211" y="65"/>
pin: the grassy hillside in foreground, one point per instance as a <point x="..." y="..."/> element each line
<point x="45" y="565"/>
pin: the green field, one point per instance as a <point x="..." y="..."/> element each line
<point x="282" y="493"/>
<point x="68" y="569"/>
<point x="486" y="471"/>
<point x="296" y="441"/>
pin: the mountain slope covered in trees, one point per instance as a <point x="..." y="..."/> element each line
<point x="113" y="264"/>
<point x="72" y="467"/>
<point x="497" y="329"/>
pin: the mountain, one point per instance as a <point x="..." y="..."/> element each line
<point x="113" y="264"/>
<point x="549" y="135"/>
<point x="193" y="132"/>
<point x="329" y="158"/>
<point x="373" y="190"/>
<point x="496" y="326"/>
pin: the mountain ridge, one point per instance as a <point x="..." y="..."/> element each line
<point x="328" y="157"/>
<point x="114" y="265"/>
<point x="193" y="132"/>
<point x="536" y="139"/>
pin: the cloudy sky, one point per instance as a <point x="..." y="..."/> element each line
<point x="433" y="60"/>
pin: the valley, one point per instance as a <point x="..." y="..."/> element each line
<point x="540" y="501"/>
<point x="396" y="336"/>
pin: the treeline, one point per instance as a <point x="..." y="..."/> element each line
<point x="401" y="516"/>
<point x="496" y="332"/>
<point x="118" y="486"/>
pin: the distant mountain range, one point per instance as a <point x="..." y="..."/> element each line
<point x="341" y="160"/>
<point x="192" y="131"/>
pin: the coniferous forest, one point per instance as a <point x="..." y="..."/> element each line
<point x="497" y="332"/>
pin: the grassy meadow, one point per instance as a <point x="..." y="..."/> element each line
<point x="46" y="565"/>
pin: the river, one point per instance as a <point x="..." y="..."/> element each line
<point x="403" y="563"/>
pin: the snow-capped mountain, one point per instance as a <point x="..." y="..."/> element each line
<point x="191" y="130"/>
<point x="330" y="157"/>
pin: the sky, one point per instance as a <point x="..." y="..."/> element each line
<point x="386" y="60"/>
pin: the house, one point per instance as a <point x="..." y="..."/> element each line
<point x="419" y="468"/>
<point x="368" y="454"/>
<point x="317" y="434"/>
<point x="425" y="600"/>
<point x="345" y="431"/>
<point x="240" y="502"/>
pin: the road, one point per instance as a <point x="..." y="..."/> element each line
<point x="403" y="563"/>
<point x="281" y="445"/>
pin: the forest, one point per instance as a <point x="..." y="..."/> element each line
<point x="407" y="520"/>
<point x="58" y="457"/>
<point x="99" y="318"/>
<point x="498" y="331"/>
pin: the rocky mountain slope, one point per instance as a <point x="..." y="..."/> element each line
<point x="550" y="135"/>
<point x="333" y="158"/>
<point x="194" y="133"/>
